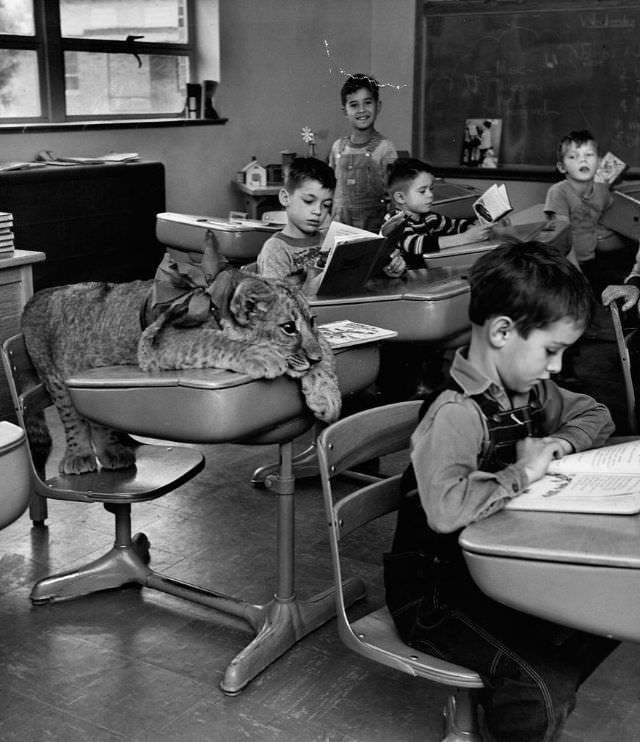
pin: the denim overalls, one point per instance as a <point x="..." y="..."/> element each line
<point x="531" y="667"/>
<point x="359" y="194"/>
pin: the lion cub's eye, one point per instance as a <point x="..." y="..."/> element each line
<point x="289" y="328"/>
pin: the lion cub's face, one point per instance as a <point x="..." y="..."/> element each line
<point x="265" y="311"/>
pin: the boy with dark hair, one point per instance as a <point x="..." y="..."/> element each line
<point x="360" y="159"/>
<point x="414" y="229"/>
<point x="293" y="253"/>
<point x="482" y="440"/>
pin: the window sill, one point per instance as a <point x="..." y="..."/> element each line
<point x="111" y="124"/>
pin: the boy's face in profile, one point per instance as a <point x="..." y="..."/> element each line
<point x="417" y="197"/>
<point x="307" y="207"/>
<point x="524" y="361"/>
<point x="579" y="162"/>
<point x="361" y="109"/>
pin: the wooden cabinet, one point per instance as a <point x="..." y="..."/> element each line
<point x="16" y="286"/>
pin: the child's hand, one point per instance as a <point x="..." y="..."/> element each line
<point x="396" y="266"/>
<point x="477" y="232"/>
<point x="627" y="291"/>
<point x="535" y="454"/>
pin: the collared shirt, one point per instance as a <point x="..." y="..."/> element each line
<point x="451" y="438"/>
<point x="583" y="212"/>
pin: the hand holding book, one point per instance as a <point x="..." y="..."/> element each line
<point x="492" y="205"/>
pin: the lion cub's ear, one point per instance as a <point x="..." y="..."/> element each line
<point x="251" y="298"/>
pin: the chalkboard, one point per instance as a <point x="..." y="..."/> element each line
<point x="543" y="68"/>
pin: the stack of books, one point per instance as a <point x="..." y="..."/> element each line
<point x="7" y="246"/>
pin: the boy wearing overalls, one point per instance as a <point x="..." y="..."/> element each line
<point x="360" y="159"/>
<point x="482" y="440"/>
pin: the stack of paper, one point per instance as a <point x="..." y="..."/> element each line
<point x="7" y="246"/>
<point x="493" y="205"/>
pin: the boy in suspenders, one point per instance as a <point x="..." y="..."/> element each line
<point x="482" y="440"/>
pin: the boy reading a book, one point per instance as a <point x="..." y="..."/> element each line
<point x="294" y="253"/>
<point x="414" y="230"/>
<point x="483" y="439"/>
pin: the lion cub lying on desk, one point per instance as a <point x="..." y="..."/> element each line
<point x="187" y="318"/>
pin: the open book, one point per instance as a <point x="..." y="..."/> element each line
<point x="348" y="256"/>
<point x="600" y="480"/>
<point x="610" y="168"/>
<point x="344" y="333"/>
<point x="493" y="204"/>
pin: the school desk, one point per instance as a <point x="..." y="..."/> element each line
<point x="582" y="571"/>
<point x="429" y="304"/>
<point x="217" y="406"/>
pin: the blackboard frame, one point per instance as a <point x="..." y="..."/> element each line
<point x="600" y="30"/>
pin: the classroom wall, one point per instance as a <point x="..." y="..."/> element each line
<point x="277" y="75"/>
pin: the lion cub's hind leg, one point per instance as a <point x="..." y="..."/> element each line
<point x="114" y="450"/>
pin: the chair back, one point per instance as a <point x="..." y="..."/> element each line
<point x="625" y="362"/>
<point x="345" y="444"/>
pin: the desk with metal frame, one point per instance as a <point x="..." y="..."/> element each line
<point x="578" y="570"/>
<point x="217" y="406"/>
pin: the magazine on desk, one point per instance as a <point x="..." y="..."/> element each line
<point x="600" y="480"/>
<point x="493" y="204"/>
<point x="345" y="333"/>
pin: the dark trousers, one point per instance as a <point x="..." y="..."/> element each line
<point x="532" y="668"/>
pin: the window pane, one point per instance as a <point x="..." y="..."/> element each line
<point x="156" y="20"/>
<point x="16" y="17"/>
<point x="100" y="84"/>
<point x="19" y="86"/>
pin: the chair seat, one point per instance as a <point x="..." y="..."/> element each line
<point x="158" y="470"/>
<point x="377" y="633"/>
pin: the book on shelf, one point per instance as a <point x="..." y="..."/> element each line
<point x="600" y="480"/>
<point x="345" y="333"/>
<point x="6" y="239"/>
<point x="493" y="204"/>
<point x="610" y="168"/>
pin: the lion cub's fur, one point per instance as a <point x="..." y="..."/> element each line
<point x="263" y="329"/>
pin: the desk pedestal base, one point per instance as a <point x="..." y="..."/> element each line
<point x="278" y="624"/>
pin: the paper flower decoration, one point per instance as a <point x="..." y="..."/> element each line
<point x="309" y="138"/>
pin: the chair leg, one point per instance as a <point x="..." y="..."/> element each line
<point x="125" y="563"/>
<point x="460" y="718"/>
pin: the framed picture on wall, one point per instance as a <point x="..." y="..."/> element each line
<point x="481" y="142"/>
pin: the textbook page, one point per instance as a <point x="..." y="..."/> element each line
<point x="339" y="232"/>
<point x="600" y="480"/>
<point x="493" y="204"/>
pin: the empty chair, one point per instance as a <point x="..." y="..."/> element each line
<point x="159" y="469"/>
<point x="341" y="446"/>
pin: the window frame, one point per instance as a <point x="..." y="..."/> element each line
<point x="50" y="46"/>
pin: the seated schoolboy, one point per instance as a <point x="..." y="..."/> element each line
<point x="414" y="228"/>
<point x="581" y="200"/>
<point x="294" y="254"/>
<point x="307" y="196"/>
<point x="482" y="440"/>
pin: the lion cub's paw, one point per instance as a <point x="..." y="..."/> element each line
<point x="117" y="456"/>
<point x="78" y="463"/>
<point x="262" y="362"/>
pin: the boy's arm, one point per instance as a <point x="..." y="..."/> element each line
<point x="445" y="451"/>
<point x="274" y="260"/>
<point x="556" y="204"/>
<point x="576" y="418"/>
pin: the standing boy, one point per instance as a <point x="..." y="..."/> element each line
<point x="482" y="441"/>
<point x="360" y="159"/>
<point x="414" y="229"/>
<point x="293" y="253"/>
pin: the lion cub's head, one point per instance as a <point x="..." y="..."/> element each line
<point x="264" y="311"/>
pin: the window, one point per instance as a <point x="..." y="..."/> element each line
<point x="83" y="60"/>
